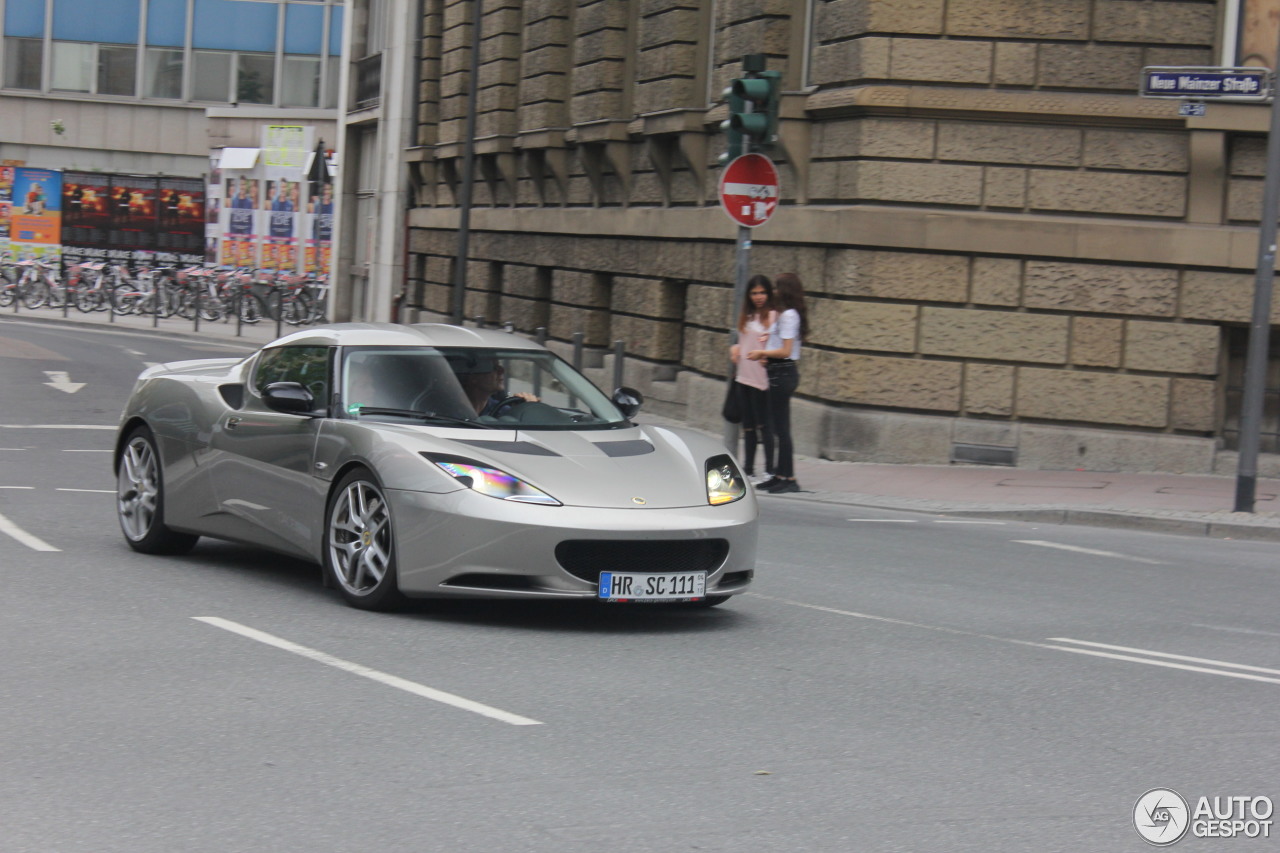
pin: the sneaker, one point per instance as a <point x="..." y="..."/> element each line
<point x="784" y="487"/>
<point x="758" y="479"/>
<point x="765" y="485"/>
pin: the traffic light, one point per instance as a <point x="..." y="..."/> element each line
<point x="732" y="138"/>
<point x="753" y="111"/>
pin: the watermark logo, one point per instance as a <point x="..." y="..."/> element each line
<point x="1161" y="817"/>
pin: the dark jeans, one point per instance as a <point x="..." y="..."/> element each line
<point x="784" y="376"/>
<point x="756" y="429"/>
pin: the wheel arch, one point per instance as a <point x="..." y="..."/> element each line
<point x="126" y="430"/>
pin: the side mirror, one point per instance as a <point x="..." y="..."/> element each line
<point x="289" y="397"/>
<point x="628" y="401"/>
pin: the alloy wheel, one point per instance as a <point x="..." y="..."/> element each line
<point x="359" y="538"/>
<point x="138" y="488"/>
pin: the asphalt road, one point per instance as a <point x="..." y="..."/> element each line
<point x="894" y="682"/>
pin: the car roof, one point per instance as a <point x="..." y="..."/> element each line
<point x="394" y="334"/>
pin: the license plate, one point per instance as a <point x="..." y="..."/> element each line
<point x="630" y="586"/>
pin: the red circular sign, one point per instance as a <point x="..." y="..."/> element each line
<point x="749" y="190"/>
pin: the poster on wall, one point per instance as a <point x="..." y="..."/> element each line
<point x="35" y="215"/>
<point x="320" y="231"/>
<point x="133" y="221"/>
<point x="239" y="242"/>
<point x="6" y="203"/>
<point x="280" y="246"/>
<point x="86" y="216"/>
<point x="181" y="214"/>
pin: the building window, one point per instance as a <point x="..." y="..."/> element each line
<point x="23" y="59"/>
<point x="256" y="78"/>
<point x="74" y="66"/>
<point x="117" y="69"/>
<point x="163" y="73"/>
<point x="211" y="77"/>
<point x="301" y="84"/>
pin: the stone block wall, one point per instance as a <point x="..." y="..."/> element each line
<point x="994" y="230"/>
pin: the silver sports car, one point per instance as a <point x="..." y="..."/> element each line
<point x="432" y="460"/>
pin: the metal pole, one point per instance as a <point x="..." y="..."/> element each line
<point x="578" y="338"/>
<point x="468" y="171"/>
<point x="619" y="355"/>
<point x="741" y="274"/>
<point x="1255" y="370"/>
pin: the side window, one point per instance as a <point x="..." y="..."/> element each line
<point x="308" y="366"/>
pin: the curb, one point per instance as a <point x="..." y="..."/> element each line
<point x="125" y="328"/>
<point x="1116" y="519"/>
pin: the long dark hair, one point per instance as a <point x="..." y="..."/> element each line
<point x="789" y="293"/>
<point x="748" y="308"/>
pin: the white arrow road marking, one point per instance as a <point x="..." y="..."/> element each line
<point x="35" y="543"/>
<point x="61" y="380"/>
<point x="365" y="672"/>
<point x="1091" y="551"/>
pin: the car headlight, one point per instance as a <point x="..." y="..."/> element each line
<point x="491" y="481"/>
<point x="724" y="482"/>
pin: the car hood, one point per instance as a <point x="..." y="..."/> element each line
<point x="643" y="466"/>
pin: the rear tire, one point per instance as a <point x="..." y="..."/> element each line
<point x="140" y="499"/>
<point x="360" y="544"/>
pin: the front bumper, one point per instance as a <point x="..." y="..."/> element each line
<point x="466" y="544"/>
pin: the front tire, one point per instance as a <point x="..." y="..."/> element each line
<point x="359" y="544"/>
<point x="140" y="499"/>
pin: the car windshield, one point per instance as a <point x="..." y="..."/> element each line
<point x="472" y="386"/>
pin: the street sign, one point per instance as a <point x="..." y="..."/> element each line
<point x="749" y="190"/>
<point x="1191" y="110"/>
<point x="1237" y="84"/>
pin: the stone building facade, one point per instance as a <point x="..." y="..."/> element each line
<point x="1009" y="255"/>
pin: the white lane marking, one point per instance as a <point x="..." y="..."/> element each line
<point x="134" y="352"/>
<point x="1233" y="630"/>
<point x="886" y="520"/>
<point x="1170" y="664"/>
<point x="96" y="491"/>
<point x="90" y="450"/>
<point x="1164" y="663"/>
<point x="365" y="672"/>
<point x="17" y="487"/>
<point x="963" y="521"/>
<point x="1166" y="655"/>
<point x="60" y="380"/>
<point x="113" y="427"/>
<point x="35" y="543"/>
<point x="1094" y="552"/>
<point x="888" y="619"/>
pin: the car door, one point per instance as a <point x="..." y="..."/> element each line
<point x="263" y="468"/>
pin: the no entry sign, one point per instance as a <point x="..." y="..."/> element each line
<point x="749" y="190"/>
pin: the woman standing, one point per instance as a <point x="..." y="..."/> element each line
<point x="781" y="355"/>
<point x="755" y="324"/>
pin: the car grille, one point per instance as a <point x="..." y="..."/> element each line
<point x="587" y="558"/>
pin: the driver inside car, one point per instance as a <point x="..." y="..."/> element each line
<point x="482" y="382"/>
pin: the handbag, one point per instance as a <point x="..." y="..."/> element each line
<point x="731" y="411"/>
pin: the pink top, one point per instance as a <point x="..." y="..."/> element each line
<point x="752" y="373"/>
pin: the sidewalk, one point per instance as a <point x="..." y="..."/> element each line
<point x="1198" y="505"/>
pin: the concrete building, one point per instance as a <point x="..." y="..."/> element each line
<point x="1009" y="254"/>
<point x="153" y="86"/>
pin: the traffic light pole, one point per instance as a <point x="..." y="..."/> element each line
<point x="742" y="271"/>
<point x="1255" y="366"/>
